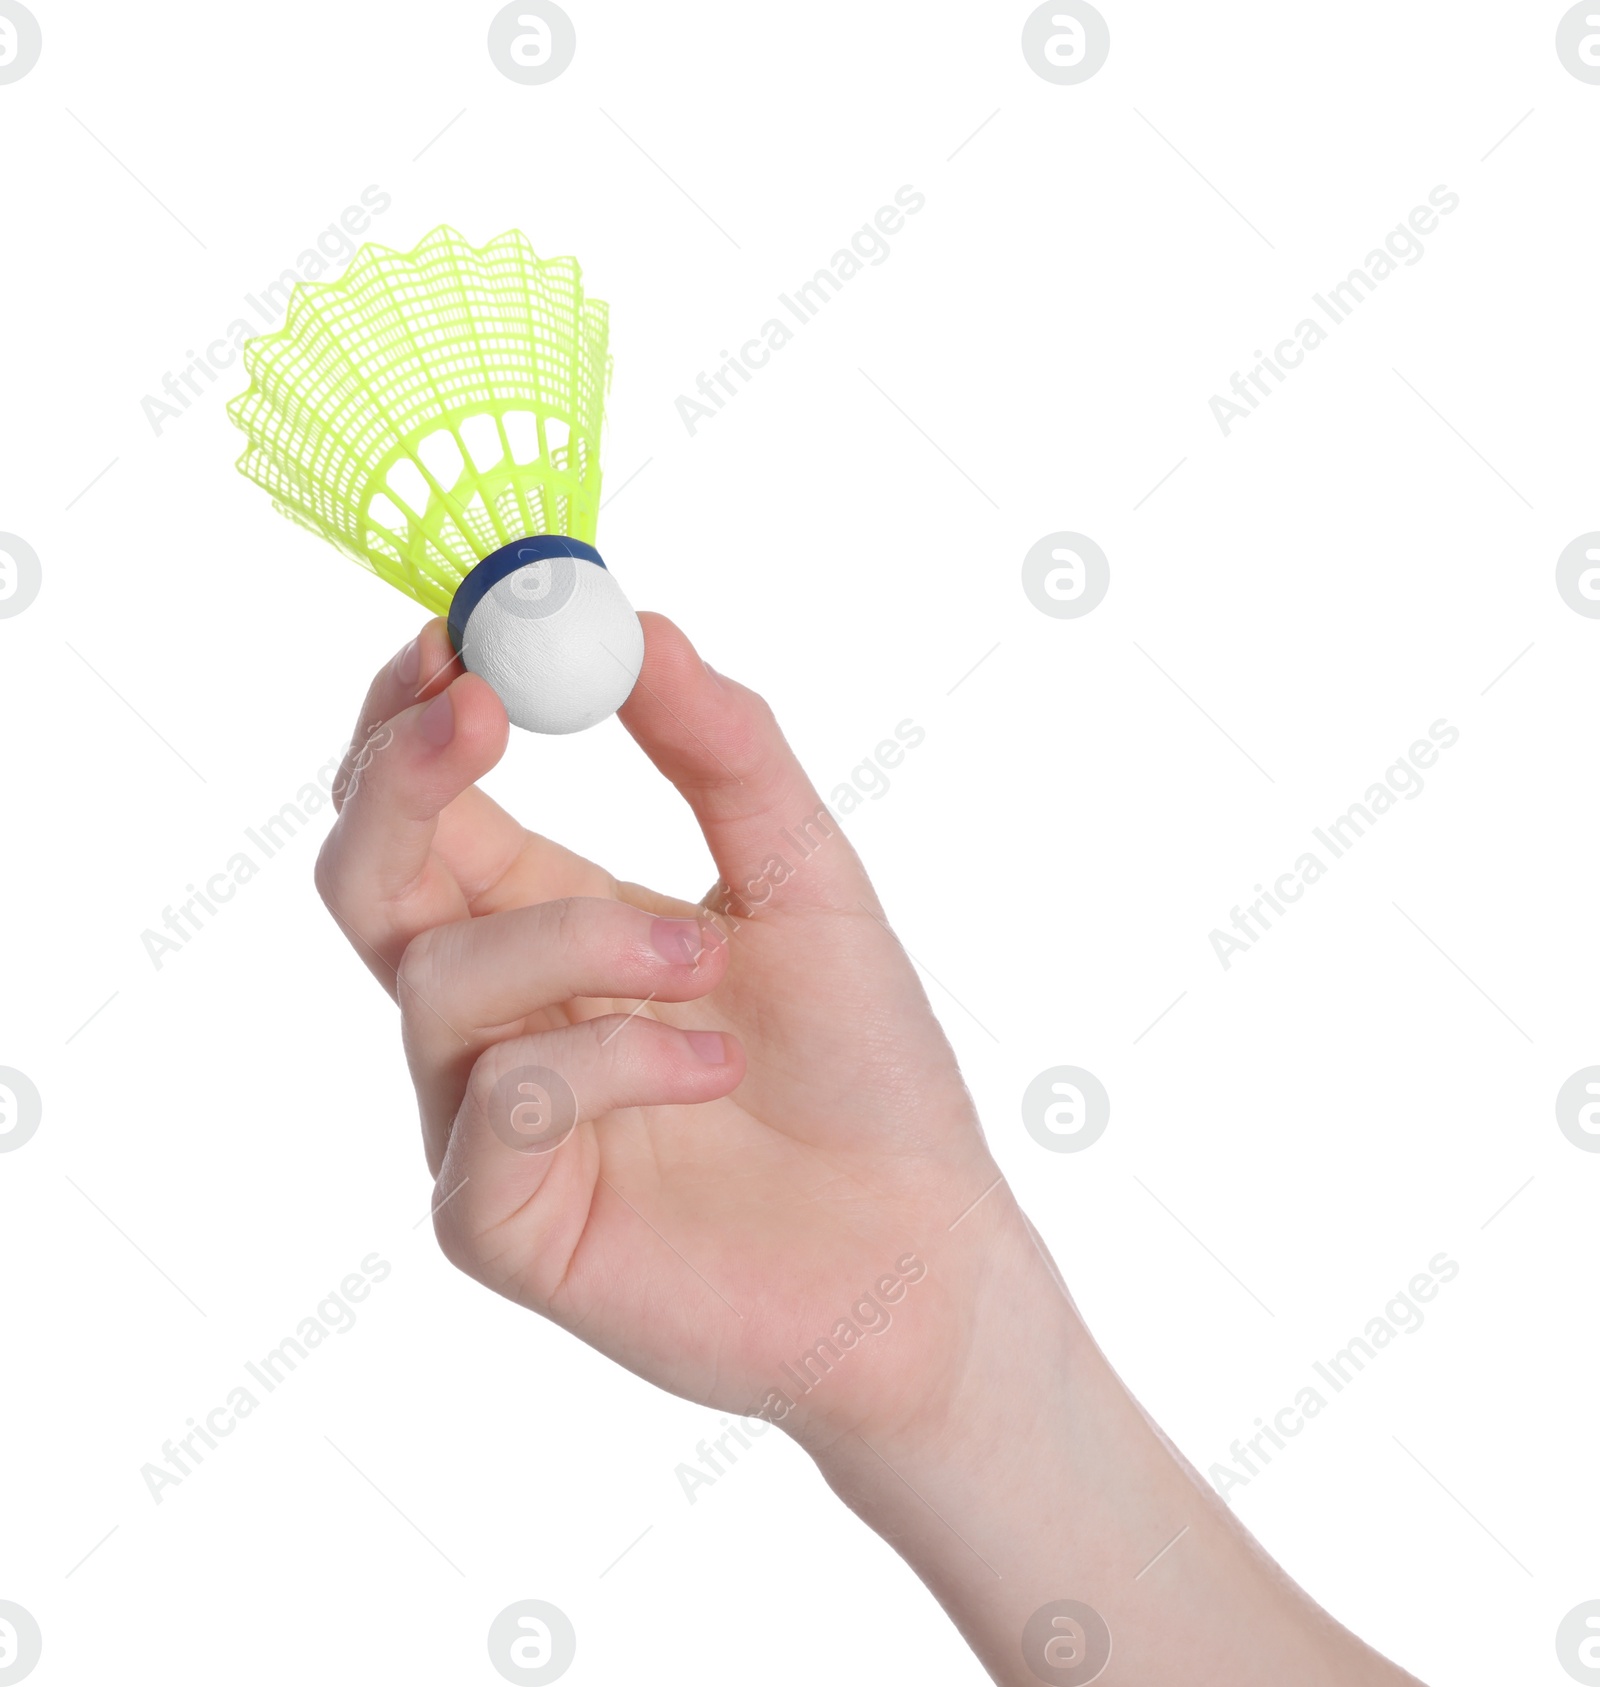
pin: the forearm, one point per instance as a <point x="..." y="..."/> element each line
<point x="1037" y="1479"/>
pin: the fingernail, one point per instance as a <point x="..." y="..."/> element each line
<point x="677" y="941"/>
<point x="436" y="725"/>
<point x="408" y="664"/>
<point x="708" y="1046"/>
<point x="713" y="672"/>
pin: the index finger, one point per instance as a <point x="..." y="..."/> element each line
<point x="378" y="870"/>
<point x="417" y="673"/>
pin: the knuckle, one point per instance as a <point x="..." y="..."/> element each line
<point x="584" y="932"/>
<point x="761" y="709"/>
<point x="450" y="1231"/>
<point x="607" y="1050"/>
<point x="325" y="874"/>
<point x="600" y="1037"/>
<point x="490" y="1070"/>
<point x="756" y="740"/>
<point x="419" y="971"/>
<point x="530" y="1087"/>
<point x="343" y="781"/>
<point x="757" y="714"/>
<point x="566" y="925"/>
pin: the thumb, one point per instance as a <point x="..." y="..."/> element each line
<point x="771" y="835"/>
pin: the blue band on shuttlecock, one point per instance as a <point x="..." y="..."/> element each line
<point x="506" y="561"/>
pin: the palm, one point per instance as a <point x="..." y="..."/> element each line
<point x="705" y="1246"/>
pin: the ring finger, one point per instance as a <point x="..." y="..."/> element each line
<point x="467" y="985"/>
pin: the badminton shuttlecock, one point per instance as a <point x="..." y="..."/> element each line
<point x="436" y="415"/>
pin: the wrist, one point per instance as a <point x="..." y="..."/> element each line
<point x="1026" y="1482"/>
<point x="970" y="1390"/>
<point x="970" y="1481"/>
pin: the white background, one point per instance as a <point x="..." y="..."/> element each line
<point x="1364" y="1089"/>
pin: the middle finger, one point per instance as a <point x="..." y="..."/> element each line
<point x="472" y="983"/>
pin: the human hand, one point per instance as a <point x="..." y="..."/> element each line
<point x="769" y="1128"/>
<point x="767" y="1134"/>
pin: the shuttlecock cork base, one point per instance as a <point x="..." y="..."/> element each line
<point x="436" y="415"/>
<point x="545" y="624"/>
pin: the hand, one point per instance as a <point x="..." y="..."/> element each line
<point x="770" y="1127"/>
<point x="769" y="1192"/>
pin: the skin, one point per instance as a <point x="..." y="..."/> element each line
<point x="769" y="1125"/>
